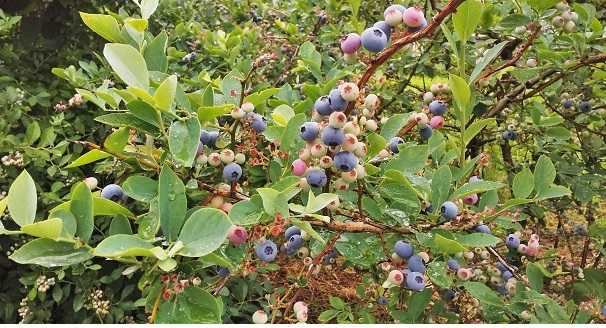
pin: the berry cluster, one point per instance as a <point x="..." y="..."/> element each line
<point x="567" y="18"/>
<point x="332" y="141"/>
<point x="43" y="284"/>
<point x="411" y="277"/>
<point x="13" y="159"/>
<point x="98" y="303"/>
<point x="583" y="106"/>
<point x="532" y="249"/>
<point x="376" y="37"/>
<point x="75" y="101"/>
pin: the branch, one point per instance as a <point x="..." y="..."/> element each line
<point x="541" y="82"/>
<point x="407" y="38"/>
<point x="535" y="31"/>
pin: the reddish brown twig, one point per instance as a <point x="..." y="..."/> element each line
<point x="535" y="31"/>
<point x="407" y="38"/>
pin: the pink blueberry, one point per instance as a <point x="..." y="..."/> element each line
<point x="299" y="167"/>
<point x="413" y="17"/>
<point x="351" y="43"/>
<point x="237" y="235"/>
<point x="436" y="122"/>
<point x="470" y="199"/>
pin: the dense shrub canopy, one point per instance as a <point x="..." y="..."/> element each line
<point x="225" y="161"/>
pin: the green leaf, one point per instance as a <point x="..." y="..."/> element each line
<point x="106" y="207"/>
<point x="204" y="232"/>
<point x="155" y="53"/>
<point x="476" y="188"/>
<point x="336" y="303"/>
<point x="273" y="202"/>
<point x="50" y="228"/>
<point x="247" y="212"/>
<point x="558" y="132"/>
<point x="306" y="226"/>
<point x="120" y="225"/>
<point x="172" y="202"/>
<point x="523" y="183"/>
<point x="209" y="113"/>
<point x="417" y="304"/>
<point x="466" y="18"/>
<point x="462" y="97"/>
<point x="440" y="186"/>
<point x="193" y="305"/>
<point x="375" y="144"/>
<point x="22" y="199"/>
<point x="81" y="206"/>
<point x="140" y="188"/>
<point x="540" y="5"/>
<point x="544" y="174"/>
<point x="232" y="89"/>
<point x="128" y="119"/>
<point x="311" y="58"/>
<point x="315" y="204"/>
<point x="488" y="57"/>
<point x="116" y="141"/>
<point x="553" y="191"/>
<point x="393" y="125"/>
<point x="91" y="156"/>
<point x="535" y="276"/>
<point x="410" y="159"/>
<point x="484" y="294"/>
<point x="49" y="253"/>
<point x="328" y="315"/>
<point x="164" y="96"/>
<point x="436" y="271"/>
<point x="290" y="136"/>
<point x="123" y="246"/>
<point x="475" y="128"/>
<point x="144" y="112"/>
<point x="282" y="114"/>
<point x="104" y="25"/>
<point x="183" y="140"/>
<point x="447" y="246"/>
<point x="148" y="7"/>
<point x="69" y="221"/>
<point x="478" y="239"/>
<point x="128" y="64"/>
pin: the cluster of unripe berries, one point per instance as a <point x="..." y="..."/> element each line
<point x="13" y="159"/>
<point x="246" y="114"/>
<point x="567" y="18"/>
<point x="43" y="284"/>
<point x="75" y="101"/>
<point x="412" y="277"/>
<point x="332" y="140"/>
<point x="98" y="302"/>
<point x="299" y="308"/>
<point x="376" y="37"/>
<point x="532" y="249"/>
<point x="232" y="171"/>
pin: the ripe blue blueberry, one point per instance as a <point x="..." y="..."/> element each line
<point x="453" y="264"/>
<point x="209" y="138"/>
<point x="483" y="228"/>
<point x="292" y="230"/>
<point x="386" y="28"/>
<point x="584" y="106"/>
<point x="512" y="241"/>
<point x="509" y="135"/>
<point x="330" y="257"/>
<point x="258" y="123"/>
<point x="345" y="161"/>
<point x="604" y="310"/>
<point x="415" y="264"/>
<point x="438" y="107"/>
<point x="415" y="281"/>
<point x="506" y="275"/>
<point x="567" y="103"/>
<point x="266" y="251"/>
<point x="403" y="249"/>
<point x="374" y="39"/>
<point x="112" y="192"/>
<point x="322" y="106"/>
<point x="332" y="136"/>
<point x="426" y="132"/>
<point x="501" y="267"/>
<point x="309" y="131"/>
<point x="222" y="272"/>
<point x="316" y="178"/>
<point x="382" y="300"/>
<point x="449" y="294"/>
<point x="337" y="103"/>
<point x="232" y="172"/>
<point x="501" y="289"/>
<point x="295" y="242"/>
<point x="449" y="210"/>
<point x="393" y="144"/>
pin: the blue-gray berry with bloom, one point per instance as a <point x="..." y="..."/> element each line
<point x="393" y="144"/>
<point x="337" y="103"/>
<point x="512" y="241"/>
<point x="232" y="172"/>
<point x="292" y="230"/>
<point x="403" y="249"/>
<point x="266" y="250"/>
<point x="449" y="210"/>
<point x="112" y="192"/>
<point x="322" y="106"/>
<point x="309" y="131"/>
<point x="316" y="178"/>
<point x="415" y="264"/>
<point x="345" y="161"/>
<point x="415" y="281"/>
<point x="374" y="39"/>
<point x="332" y="136"/>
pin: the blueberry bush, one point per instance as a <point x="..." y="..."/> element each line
<point x="302" y="161"/>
